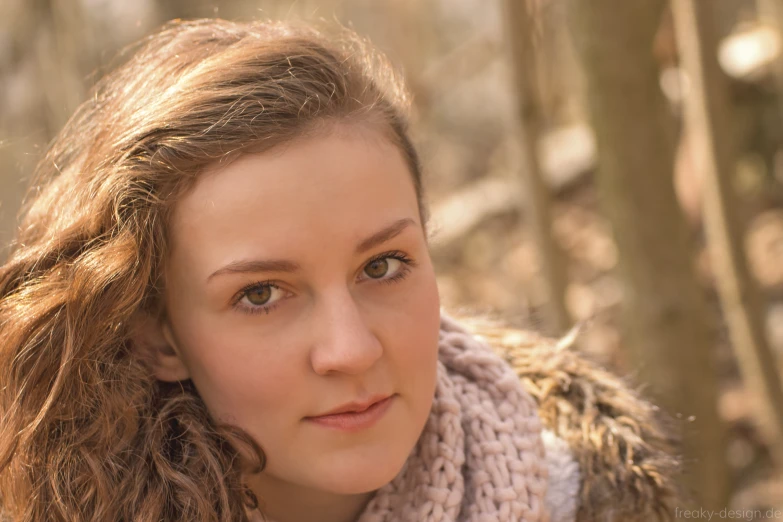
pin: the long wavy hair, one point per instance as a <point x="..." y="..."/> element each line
<point x="87" y="433"/>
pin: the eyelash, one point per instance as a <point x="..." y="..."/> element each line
<point x="407" y="263"/>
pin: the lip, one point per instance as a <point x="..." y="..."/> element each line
<point x="356" y="420"/>
<point x="355" y="406"/>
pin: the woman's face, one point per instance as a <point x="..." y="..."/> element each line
<point x="299" y="280"/>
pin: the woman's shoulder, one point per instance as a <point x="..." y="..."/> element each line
<point x="611" y="454"/>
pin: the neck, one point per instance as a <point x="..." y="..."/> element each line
<point x="282" y="501"/>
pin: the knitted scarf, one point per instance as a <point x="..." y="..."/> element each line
<point x="480" y="457"/>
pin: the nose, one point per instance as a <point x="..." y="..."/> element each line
<point x="343" y="340"/>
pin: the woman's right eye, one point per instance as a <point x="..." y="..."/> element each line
<point x="256" y="297"/>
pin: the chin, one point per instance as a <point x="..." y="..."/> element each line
<point x="362" y="475"/>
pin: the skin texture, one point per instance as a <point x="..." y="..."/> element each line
<point x="341" y="329"/>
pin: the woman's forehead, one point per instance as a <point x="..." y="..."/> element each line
<point x="325" y="190"/>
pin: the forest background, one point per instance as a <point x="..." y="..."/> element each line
<point x="610" y="166"/>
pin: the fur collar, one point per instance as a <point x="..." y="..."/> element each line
<point x="625" y="451"/>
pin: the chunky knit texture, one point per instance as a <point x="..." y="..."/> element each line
<point x="480" y="457"/>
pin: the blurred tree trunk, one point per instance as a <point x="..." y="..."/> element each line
<point x="708" y="113"/>
<point x="537" y="195"/>
<point x="664" y="311"/>
<point x="560" y="83"/>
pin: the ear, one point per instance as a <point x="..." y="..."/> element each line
<point x="154" y="342"/>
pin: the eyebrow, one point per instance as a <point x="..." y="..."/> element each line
<point x="285" y="265"/>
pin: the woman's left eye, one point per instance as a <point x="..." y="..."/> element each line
<point x="255" y="298"/>
<point x="395" y="263"/>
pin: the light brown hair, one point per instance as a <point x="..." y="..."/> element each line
<point x="87" y="433"/>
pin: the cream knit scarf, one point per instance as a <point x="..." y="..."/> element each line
<point x="480" y="457"/>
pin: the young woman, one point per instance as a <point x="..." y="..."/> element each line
<point x="220" y="306"/>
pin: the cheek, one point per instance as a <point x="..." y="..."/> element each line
<point x="237" y="376"/>
<point x="417" y="334"/>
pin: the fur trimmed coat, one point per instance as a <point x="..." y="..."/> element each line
<point x="611" y="455"/>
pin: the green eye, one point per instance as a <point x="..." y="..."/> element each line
<point x="259" y="295"/>
<point x="377" y="268"/>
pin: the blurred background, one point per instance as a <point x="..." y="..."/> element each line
<point x="605" y="165"/>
